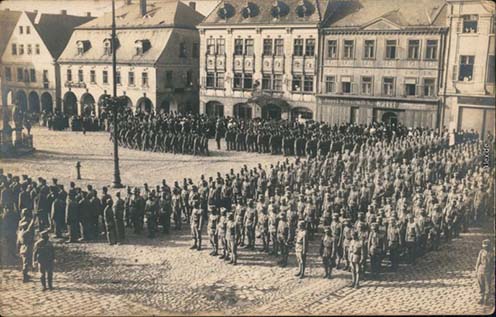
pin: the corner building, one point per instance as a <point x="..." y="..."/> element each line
<point x="157" y="59"/>
<point x="259" y="58"/>
<point x="383" y="61"/>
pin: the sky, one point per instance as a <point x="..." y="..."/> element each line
<point x="80" y="7"/>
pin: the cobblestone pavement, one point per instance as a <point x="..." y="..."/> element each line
<point x="163" y="276"/>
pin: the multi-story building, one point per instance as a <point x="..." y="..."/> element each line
<point x="470" y="76"/>
<point x="382" y="60"/>
<point x="30" y="73"/>
<point x="157" y="59"/>
<point x="8" y="21"/>
<point x="259" y="58"/>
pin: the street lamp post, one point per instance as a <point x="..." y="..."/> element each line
<point x="115" y="104"/>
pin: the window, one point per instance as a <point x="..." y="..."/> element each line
<point x="32" y="75"/>
<point x="348" y="49"/>
<point x="28" y="30"/>
<point x="466" y="68"/>
<point x="367" y="85"/>
<point x="332" y="49"/>
<point x="80" y="76"/>
<point x="410" y="87"/>
<point x="279" y="47"/>
<point x="310" y="47"/>
<point x="266" y="82"/>
<point x="210" y="83"/>
<point x="20" y="74"/>
<point x="470" y="23"/>
<point x="238" y="47"/>
<point x="21" y="49"/>
<point x="168" y="79"/>
<point x="80" y="47"/>
<point x="429" y="88"/>
<point x="308" y="84"/>
<point x="130" y="78"/>
<point x="298" y="47"/>
<point x="249" y="47"/>
<point x="388" y="86"/>
<point x="195" y="51"/>
<point x="8" y="74"/>
<point x="221" y="46"/>
<point x="14" y="49"/>
<point x="26" y="75"/>
<point x="105" y="77"/>
<point x="219" y="80"/>
<point x="413" y="49"/>
<point x="491" y="69"/>
<point x="210" y="47"/>
<point x="296" y="84"/>
<point x="391" y="49"/>
<point x="182" y="49"/>
<point x="277" y="86"/>
<point x="21" y="29"/>
<point x="346" y="85"/>
<point x="118" y="80"/>
<point x="69" y="75"/>
<point x="107" y="47"/>
<point x="267" y="47"/>
<point x="144" y="79"/>
<point x="45" y="78"/>
<point x="29" y="49"/>
<point x="330" y="84"/>
<point x="369" y="49"/>
<point x="248" y="81"/>
<point x="189" y="78"/>
<point x="37" y="49"/>
<point x="238" y="81"/>
<point x="431" y="50"/>
<point x="92" y="76"/>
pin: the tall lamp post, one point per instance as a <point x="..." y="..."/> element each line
<point x="115" y="104"/>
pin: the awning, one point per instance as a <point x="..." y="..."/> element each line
<point x="264" y="101"/>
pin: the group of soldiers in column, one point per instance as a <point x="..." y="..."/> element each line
<point x="165" y="132"/>
<point x="393" y="197"/>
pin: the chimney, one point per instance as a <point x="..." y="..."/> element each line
<point x="143" y="7"/>
<point x="192" y="5"/>
<point x="63" y="12"/>
<point x="88" y="14"/>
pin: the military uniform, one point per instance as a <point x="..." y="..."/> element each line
<point x="301" y="245"/>
<point x="231" y="238"/>
<point x="213" y="219"/>
<point x="282" y="238"/>
<point x="484" y="269"/>
<point x="44" y="255"/>
<point x="25" y="240"/>
<point x="328" y="252"/>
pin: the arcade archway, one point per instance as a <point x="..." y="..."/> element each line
<point x="70" y="103"/>
<point x="87" y="104"/>
<point x="21" y="100"/>
<point x="243" y="111"/>
<point x="144" y="104"/>
<point x="271" y="112"/>
<point x="46" y="102"/>
<point x="34" y="102"/>
<point x="390" y="118"/>
<point x="214" y="109"/>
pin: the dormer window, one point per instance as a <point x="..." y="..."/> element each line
<point x="304" y="9"/>
<point x="142" y="46"/>
<point x="107" y="46"/>
<point x="279" y="9"/>
<point x="250" y="10"/>
<point x="226" y="11"/>
<point x="83" y="46"/>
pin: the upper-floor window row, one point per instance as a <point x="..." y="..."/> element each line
<point x="27" y="28"/>
<point x="269" y="47"/>
<point x="415" y="49"/>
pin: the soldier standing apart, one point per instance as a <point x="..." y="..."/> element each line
<point x="119" y="218"/>
<point x="301" y="245"/>
<point x="151" y="215"/>
<point x="212" y="230"/>
<point x="394" y="243"/>
<point x="221" y="232"/>
<point x="196" y="226"/>
<point x="44" y="255"/>
<point x="356" y="259"/>
<point x="283" y="239"/>
<point x="25" y="240"/>
<point x="484" y="269"/>
<point x="231" y="233"/>
<point x="328" y="252"/>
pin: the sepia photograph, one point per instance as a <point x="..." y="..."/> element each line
<point x="247" y="157"/>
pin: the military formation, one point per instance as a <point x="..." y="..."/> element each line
<point x="382" y="198"/>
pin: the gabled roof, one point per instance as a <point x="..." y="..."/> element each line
<point x="165" y="13"/>
<point x="235" y="12"/>
<point x="55" y="29"/>
<point x="402" y="13"/>
<point x="8" y="21"/>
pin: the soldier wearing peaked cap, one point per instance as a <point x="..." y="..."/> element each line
<point x="484" y="269"/>
<point x="328" y="252"/>
<point x="301" y="246"/>
<point x="44" y="255"/>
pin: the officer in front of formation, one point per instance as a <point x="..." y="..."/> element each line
<point x="328" y="252"/>
<point x="44" y="256"/>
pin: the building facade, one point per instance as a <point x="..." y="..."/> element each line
<point x="470" y="77"/>
<point x="30" y="73"/>
<point x="383" y="61"/>
<point x="260" y="59"/>
<point x="157" y="59"/>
